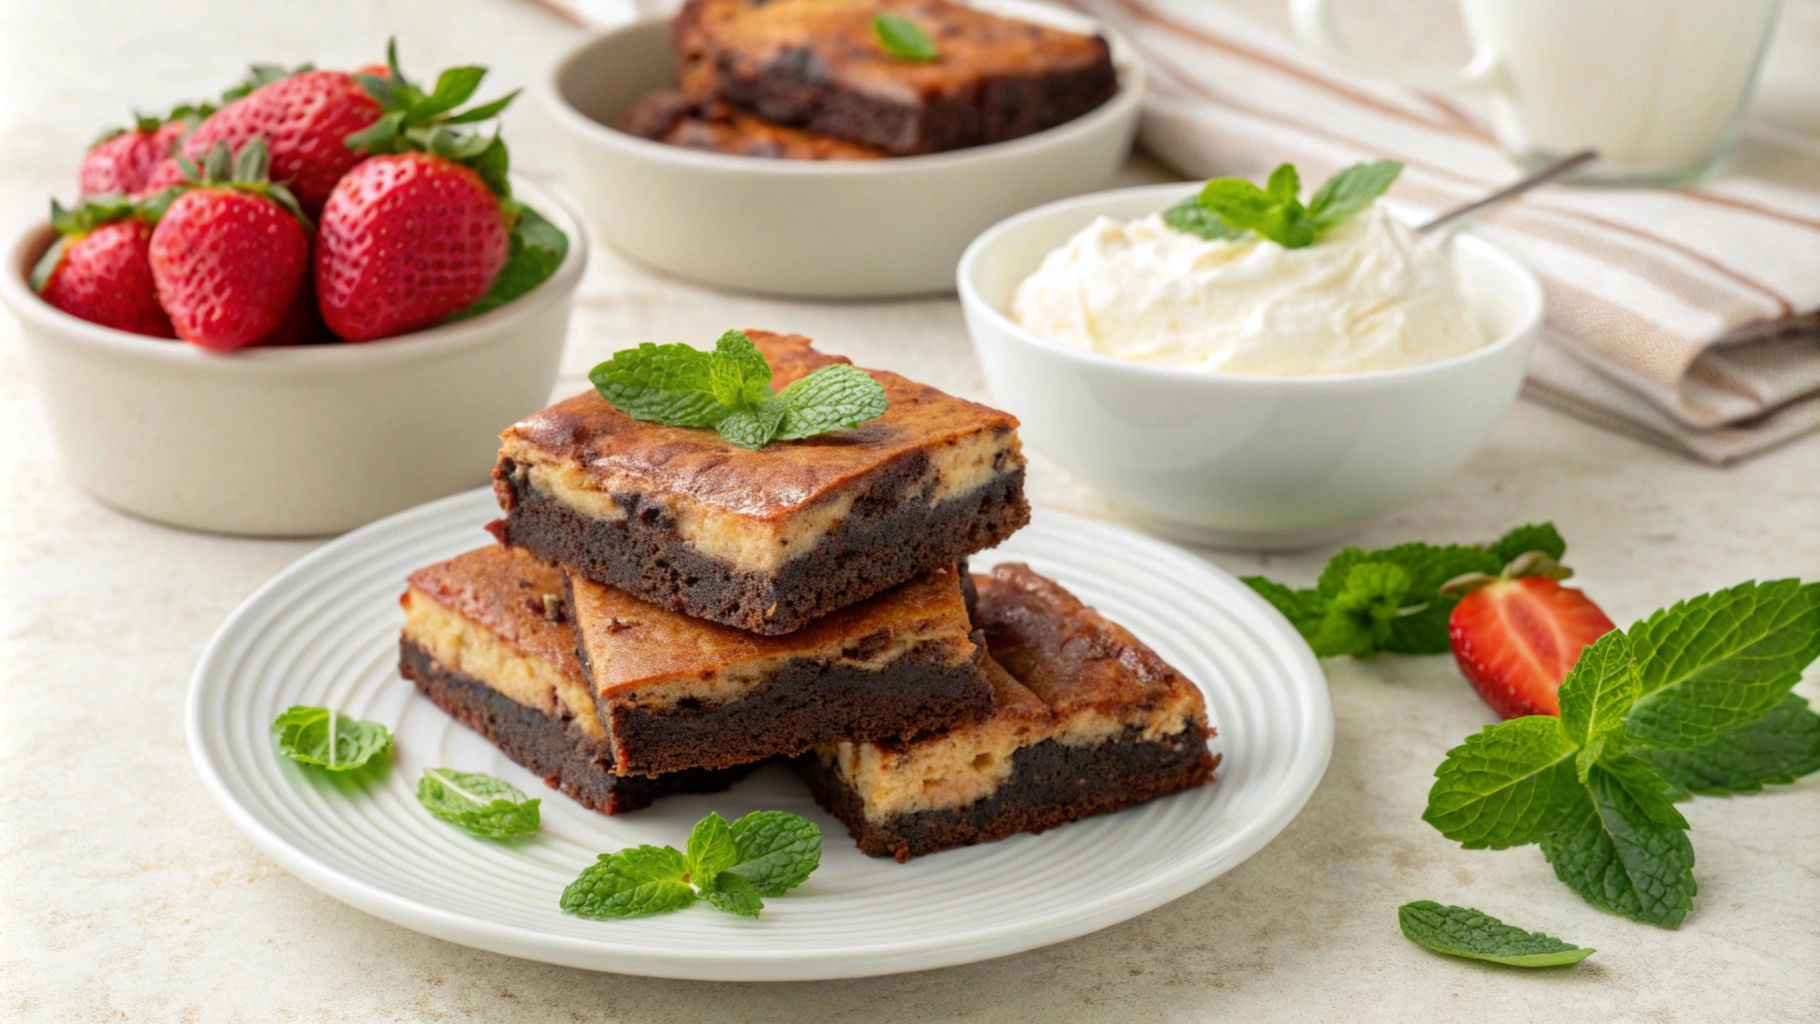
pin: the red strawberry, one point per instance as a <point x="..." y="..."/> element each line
<point x="230" y="254"/>
<point x="123" y="161"/>
<point x="406" y="241"/>
<point x="1516" y="639"/>
<point x="100" y="270"/>
<point x="305" y="119"/>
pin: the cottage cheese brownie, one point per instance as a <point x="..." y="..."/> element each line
<point x="676" y="692"/>
<point x="487" y="638"/>
<point x="671" y="118"/>
<point x="762" y="540"/>
<point x="815" y="64"/>
<point x="1085" y="720"/>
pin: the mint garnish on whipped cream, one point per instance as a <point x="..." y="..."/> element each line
<point x="1252" y="280"/>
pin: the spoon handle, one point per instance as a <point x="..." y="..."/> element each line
<point x="1515" y="188"/>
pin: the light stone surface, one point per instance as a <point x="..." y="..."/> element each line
<point x="126" y="895"/>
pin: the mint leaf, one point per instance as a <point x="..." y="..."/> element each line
<point x="320" y="737"/>
<point x="737" y="372"/>
<point x="661" y="384"/>
<point x="1507" y="786"/>
<point x="477" y="803"/>
<point x="730" y="390"/>
<point x="1364" y="624"/>
<point x="777" y="850"/>
<point x="765" y="853"/>
<point x="1361" y="610"/>
<point x="536" y="248"/>
<point x="711" y="850"/>
<point x="1720" y="661"/>
<point x="1462" y="931"/>
<point x="1524" y="539"/>
<point x="1599" y="691"/>
<point x="1653" y="794"/>
<point x="836" y="397"/>
<point x="1350" y="191"/>
<point x="732" y="893"/>
<point x="1778" y="748"/>
<point x="904" y="39"/>
<point x="1421" y="627"/>
<point x="1191" y="217"/>
<point x="1267" y="212"/>
<point x="1275" y="212"/>
<point x="753" y="428"/>
<point x="1285" y="185"/>
<point x="1609" y="850"/>
<point x="637" y="882"/>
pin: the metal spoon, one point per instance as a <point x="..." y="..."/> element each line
<point x="1515" y="188"/>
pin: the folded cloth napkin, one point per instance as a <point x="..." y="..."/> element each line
<point x="1686" y="317"/>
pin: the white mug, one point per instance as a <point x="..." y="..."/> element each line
<point x="1657" y="87"/>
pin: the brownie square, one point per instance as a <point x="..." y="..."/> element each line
<point x="1086" y="720"/>
<point x="816" y="64"/>
<point x="676" y="692"/>
<point x="767" y="540"/>
<point x="486" y="638"/>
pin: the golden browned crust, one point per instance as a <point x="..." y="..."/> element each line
<point x="1072" y="657"/>
<point x="632" y="645"/>
<point x="767" y="485"/>
<point x="514" y="596"/>
<point x="817" y="63"/>
<point x="670" y="118"/>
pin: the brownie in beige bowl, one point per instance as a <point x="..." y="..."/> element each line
<point x="870" y="175"/>
<point x="290" y="441"/>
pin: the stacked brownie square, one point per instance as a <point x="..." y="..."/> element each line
<point x="666" y="610"/>
<point x="808" y="79"/>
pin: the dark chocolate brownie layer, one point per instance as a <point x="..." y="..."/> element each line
<point x="806" y="704"/>
<point x="1051" y="784"/>
<point x="882" y="542"/>
<point x="567" y="758"/>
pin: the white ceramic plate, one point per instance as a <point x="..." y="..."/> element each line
<point x="324" y="632"/>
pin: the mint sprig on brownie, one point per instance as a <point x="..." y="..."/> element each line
<point x="730" y="391"/>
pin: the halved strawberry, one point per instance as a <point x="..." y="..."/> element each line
<point x="1516" y="638"/>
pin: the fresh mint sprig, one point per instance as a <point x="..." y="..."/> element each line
<point x="326" y="739"/>
<point x="730" y="390"/>
<point x="731" y="866"/>
<point x="1392" y="599"/>
<point x="904" y="39"/>
<point x="1701" y="690"/>
<point x="1463" y="931"/>
<point x="1229" y="207"/>
<point x="477" y="803"/>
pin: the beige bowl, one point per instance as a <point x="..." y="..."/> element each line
<point x="815" y="229"/>
<point x="291" y="441"/>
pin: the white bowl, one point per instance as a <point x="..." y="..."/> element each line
<point x="291" y="441"/>
<point x="1238" y="460"/>
<point x="818" y="229"/>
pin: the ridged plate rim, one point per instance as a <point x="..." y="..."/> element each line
<point x="1310" y="739"/>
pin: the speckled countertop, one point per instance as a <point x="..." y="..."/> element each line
<point x="126" y="895"/>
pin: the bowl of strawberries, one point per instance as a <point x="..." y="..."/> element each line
<point x="298" y="310"/>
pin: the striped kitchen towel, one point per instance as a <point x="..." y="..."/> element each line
<point x="1686" y="317"/>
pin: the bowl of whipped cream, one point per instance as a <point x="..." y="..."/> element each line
<point x="1234" y="392"/>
